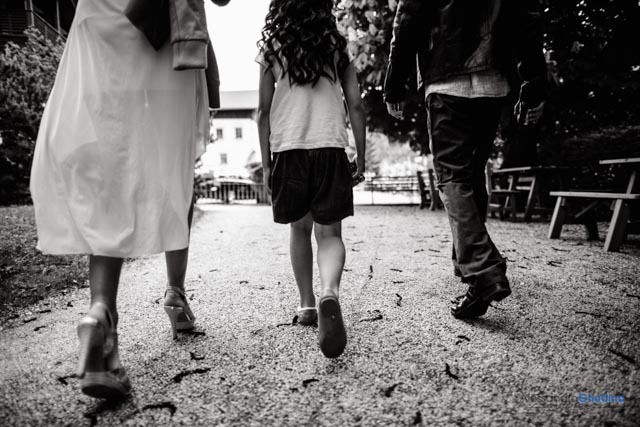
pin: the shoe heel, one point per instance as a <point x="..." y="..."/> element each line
<point x="497" y="292"/>
<point x="92" y="339"/>
<point x="173" y="313"/>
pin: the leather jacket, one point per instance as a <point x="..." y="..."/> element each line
<point x="449" y="38"/>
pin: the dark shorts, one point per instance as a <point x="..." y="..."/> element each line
<point x="316" y="181"/>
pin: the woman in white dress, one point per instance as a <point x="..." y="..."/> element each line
<point x="113" y="170"/>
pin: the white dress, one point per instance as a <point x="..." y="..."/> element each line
<point x="113" y="167"/>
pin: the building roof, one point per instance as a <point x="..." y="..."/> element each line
<point x="239" y="100"/>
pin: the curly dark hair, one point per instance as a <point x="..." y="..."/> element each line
<point x="303" y="38"/>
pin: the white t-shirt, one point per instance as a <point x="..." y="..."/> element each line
<point x="306" y="117"/>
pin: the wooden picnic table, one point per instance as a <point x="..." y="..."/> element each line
<point x="533" y="191"/>
<point x="618" y="226"/>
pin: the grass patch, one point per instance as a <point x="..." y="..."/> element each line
<point x="26" y="275"/>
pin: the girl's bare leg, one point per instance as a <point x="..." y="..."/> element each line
<point x="331" y="256"/>
<point x="302" y="259"/>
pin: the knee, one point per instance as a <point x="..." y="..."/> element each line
<point x="302" y="227"/>
<point x="328" y="231"/>
<point x="458" y="175"/>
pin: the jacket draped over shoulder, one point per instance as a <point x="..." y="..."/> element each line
<point x="184" y="23"/>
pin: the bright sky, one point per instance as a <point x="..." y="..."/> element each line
<point x="234" y="31"/>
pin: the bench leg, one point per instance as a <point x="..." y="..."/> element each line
<point x="558" y="218"/>
<point x="435" y="196"/>
<point x="587" y="217"/>
<point x="531" y="199"/>
<point x="617" y="228"/>
<point x="592" y="228"/>
<point x="509" y="206"/>
<point x="422" y="189"/>
<point x="513" y="207"/>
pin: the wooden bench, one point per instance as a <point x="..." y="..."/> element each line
<point x="508" y="207"/>
<point x="618" y="226"/>
<point x="523" y="180"/>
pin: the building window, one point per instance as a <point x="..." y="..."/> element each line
<point x="223" y="158"/>
<point x="219" y="133"/>
<point x="238" y="133"/>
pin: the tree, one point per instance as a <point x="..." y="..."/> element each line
<point x="594" y="64"/>
<point x="593" y="60"/>
<point x="368" y="26"/>
<point x="28" y="72"/>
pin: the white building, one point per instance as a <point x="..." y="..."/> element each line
<point x="234" y="136"/>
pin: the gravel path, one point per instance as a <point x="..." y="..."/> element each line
<point x="571" y="326"/>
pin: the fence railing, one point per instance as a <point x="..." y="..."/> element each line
<point x="15" y="22"/>
<point x="231" y="191"/>
<point x="408" y="184"/>
<point x="383" y="190"/>
<point x="49" y="31"/>
<point x="388" y="190"/>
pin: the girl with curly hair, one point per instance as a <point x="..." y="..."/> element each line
<point x="306" y="77"/>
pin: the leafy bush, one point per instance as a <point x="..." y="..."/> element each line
<point x="594" y="64"/>
<point x="28" y="72"/>
<point x="367" y="24"/>
<point x="26" y="275"/>
<point x="586" y="150"/>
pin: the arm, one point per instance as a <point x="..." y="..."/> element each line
<point x="265" y="96"/>
<point x="352" y="95"/>
<point x="408" y="25"/>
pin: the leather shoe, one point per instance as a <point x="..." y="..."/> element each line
<point x="476" y="302"/>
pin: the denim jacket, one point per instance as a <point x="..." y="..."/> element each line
<point x="456" y="37"/>
<point x="184" y="23"/>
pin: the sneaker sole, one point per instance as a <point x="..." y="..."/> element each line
<point x="332" y="336"/>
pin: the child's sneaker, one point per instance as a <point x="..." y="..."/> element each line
<point x="307" y="315"/>
<point x="331" y="334"/>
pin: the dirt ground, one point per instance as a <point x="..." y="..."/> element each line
<point x="569" y="333"/>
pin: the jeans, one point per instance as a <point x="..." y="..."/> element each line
<point x="462" y="132"/>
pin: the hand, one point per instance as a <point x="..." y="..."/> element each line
<point x="356" y="178"/>
<point x="395" y="109"/>
<point x="528" y="116"/>
<point x="267" y="180"/>
<point x="357" y="171"/>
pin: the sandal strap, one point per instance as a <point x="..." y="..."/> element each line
<point x="307" y="308"/>
<point x="110" y="327"/>
<point x="176" y="290"/>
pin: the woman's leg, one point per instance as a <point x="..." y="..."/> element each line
<point x="177" y="260"/>
<point x="331" y="256"/>
<point x="177" y="266"/>
<point x="302" y="259"/>
<point x="104" y="277"/>
<point x="175" y="301"/>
